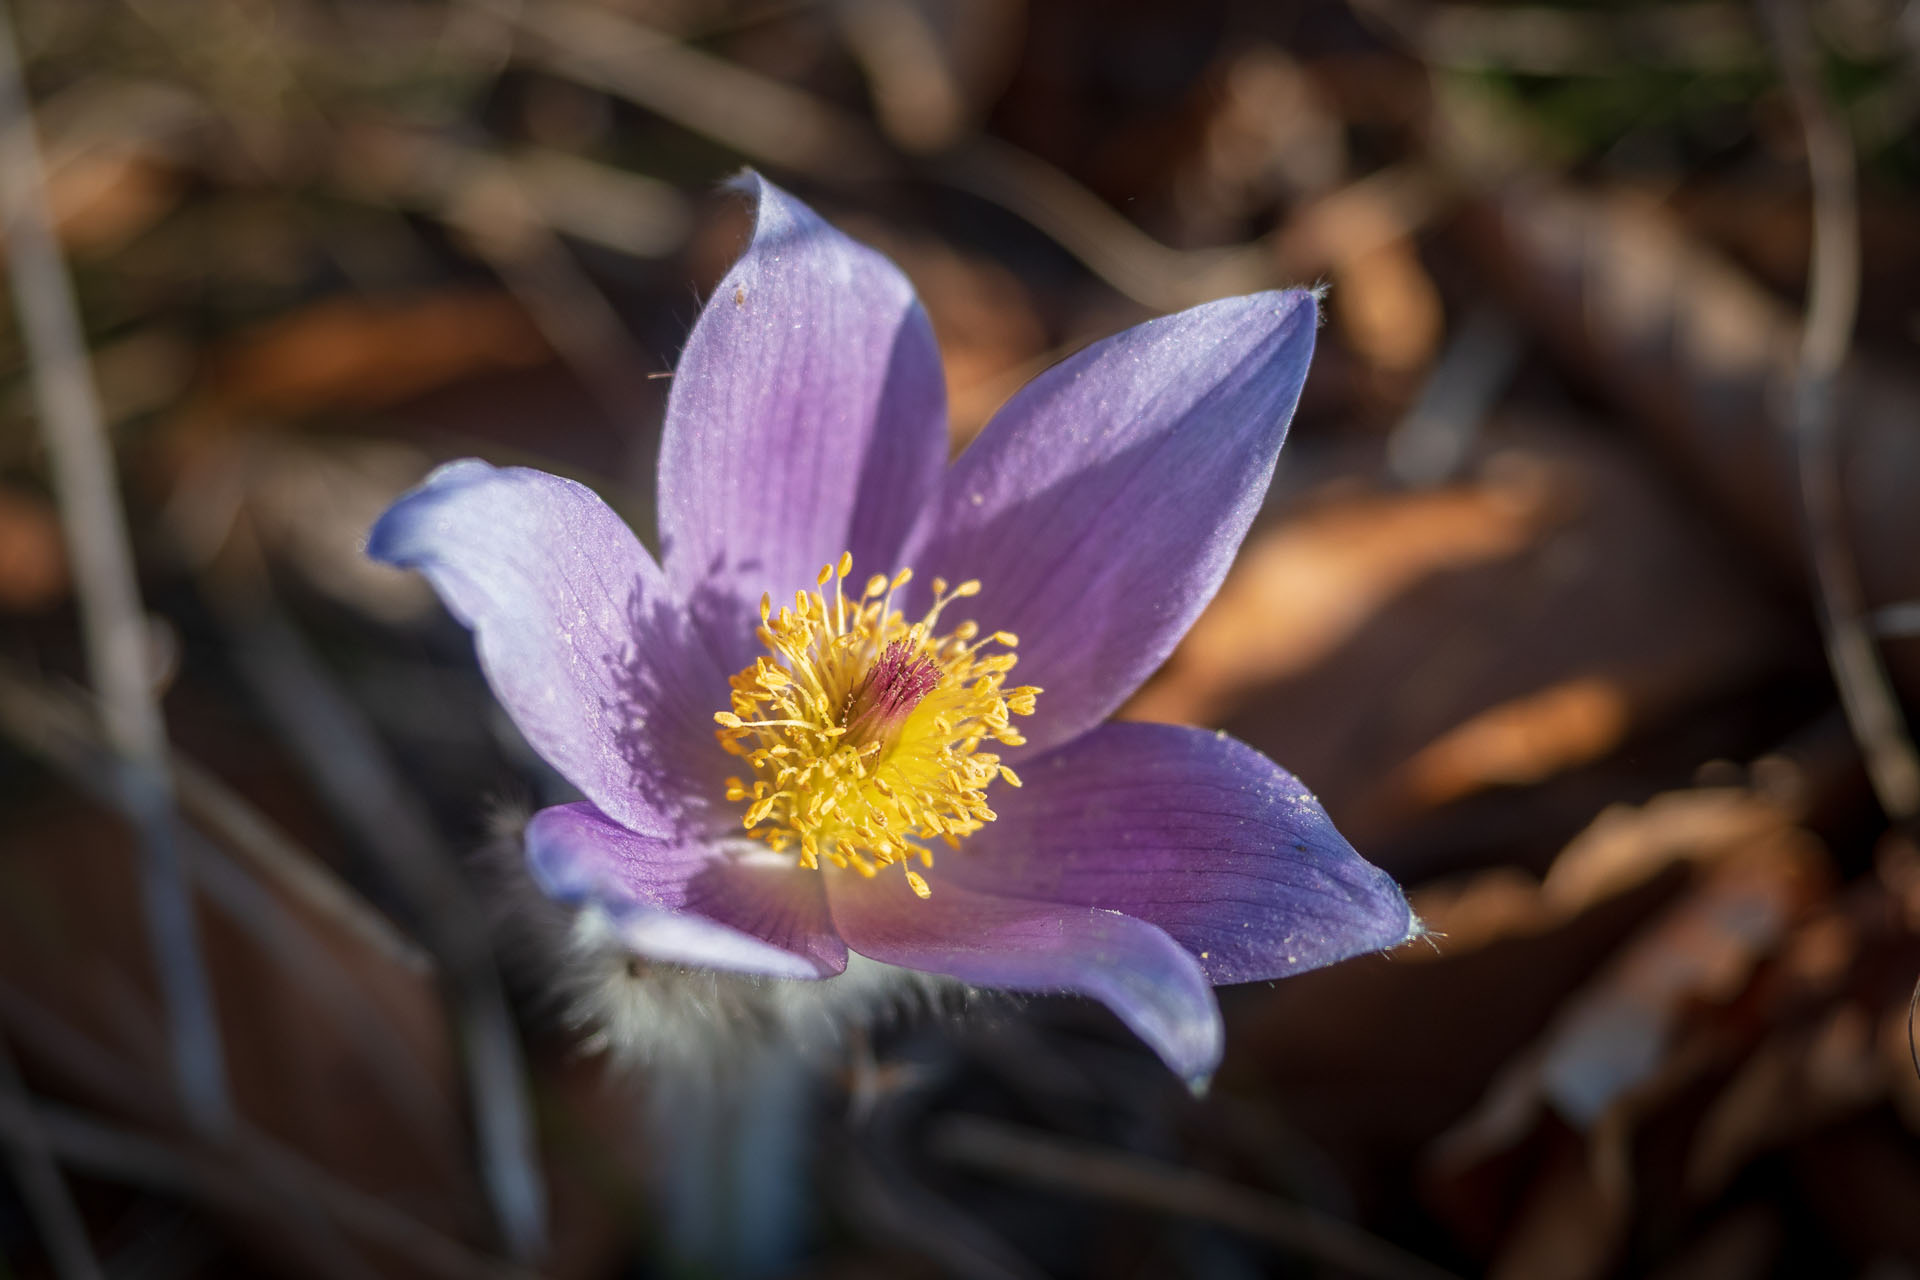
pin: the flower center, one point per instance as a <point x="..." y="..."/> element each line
<point x="864" y="731"/>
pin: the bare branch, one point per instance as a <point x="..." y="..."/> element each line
<point x="775" y="124"/>
<point x="356" y="775"/>
<point x="1041" y="1159"/>
<point x="61" y="729"/>
<point x="110" y="611"/>
<point x="1833" y="295"/>
<point x="1898" y="620"/>
<point x="44" y="1189"/>
<point x="253" y="1174"/>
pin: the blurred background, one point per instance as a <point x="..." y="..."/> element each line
<point x="1587" y="599"/>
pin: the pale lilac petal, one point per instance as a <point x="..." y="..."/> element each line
<point x="1197" y="833"/>
<point x="1101" y="507"/>
<point x="1132" y="967"/>
<point x="807" y="415"/>
<point x="576" y="633"/>
<point x="686" y="902"/>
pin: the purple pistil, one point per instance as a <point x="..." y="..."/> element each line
<point x="888" y="693"/>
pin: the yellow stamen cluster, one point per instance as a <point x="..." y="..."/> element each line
<point x="864" y="732"/>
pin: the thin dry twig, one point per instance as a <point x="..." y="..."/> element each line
<point x="917" y="97"/>
<point x="775" y="124"/>
<point x="102" y="1150"/>
<point x="44" y="1189"/>
<point x="894" y="1200"/>
<point x="503" y="223"/>
<point x="252" y="1173"/>
<point x="1833" y="294"/>
<point x="1432" y="443"/>
<point x="1897" y="620"/>
<point x="118" y="1082"/>
<point x="111" y="617"/>
<point x="1042" y="1159"/>
<point x="1112" y="248"/>
<point x="1913" y="1045"/>
<point x="1700" y="36"/>
<point x="229" y="817"/>
<point x="753" y="115"/>
<point x="61" y="730"/>
<point x="61" y="733"/>
<point x="356" y="776"/>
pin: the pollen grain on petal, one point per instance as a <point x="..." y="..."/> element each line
<point x="868" y="735"/>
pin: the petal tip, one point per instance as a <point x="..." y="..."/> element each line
<point x="777" y="213"/>
<point x="387" y="540"/>
<point x="1193" y="1057"/>
<point x="1417" y="931"/>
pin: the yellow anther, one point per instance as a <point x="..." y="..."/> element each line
<point x="869" y="735"/>
<point x="824" y="576"/>
<point x="918" y="883"/>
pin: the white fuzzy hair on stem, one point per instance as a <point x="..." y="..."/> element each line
<point x="679" y="1024"/>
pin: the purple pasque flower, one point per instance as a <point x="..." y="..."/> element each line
<point x="769" y="785"/>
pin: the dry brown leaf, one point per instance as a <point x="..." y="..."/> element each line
<point x="1467" y="912"/>
<point x="1304" y="586"/>
<point x="1628" y="844"/>
<point x="33" y="560"/>
<point x="1695" y="350"/>
<point x="106" y="197"/>
<point x="1741" y="1245"/>
<point x="1269" y="135"/>
<point x="1616" y="1034"/>
<point x="1794" y="1083"/>
<point x="1519" y="742"/>
<point x="1366" y="627"/>
<point x="1569" y="1225"/>
<point x="348" y="353"/>
<point x="1387" y="306"/>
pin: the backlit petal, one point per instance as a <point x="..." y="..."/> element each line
<point x="684" y="902"/>
<point x="575" y="630"/>
<point x="1133" y="968"/>
<point x="1196" y="832"/>
<point x="1102" y="506"/>
<point x="807" y="415"/>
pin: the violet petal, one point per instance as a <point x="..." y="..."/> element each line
<point x="807" y="416"/>
<point x="1199" y="834"/>
<point x="1132" y="967"/>
<point x="1102" y="506"/>
<point x="576" y="633"/>
<point x="686" y="902"/>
